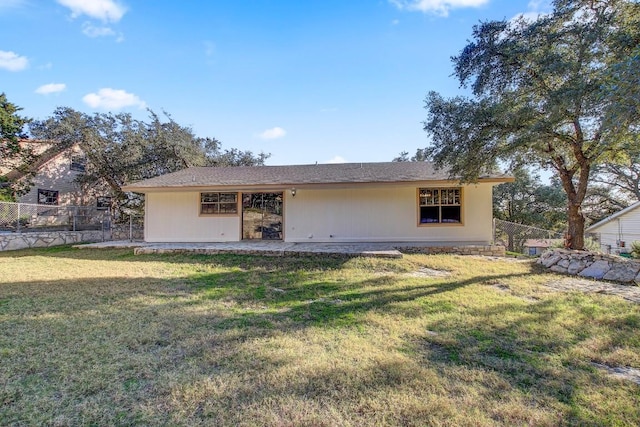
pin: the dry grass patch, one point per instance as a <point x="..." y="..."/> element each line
<point x="106" y="338"/>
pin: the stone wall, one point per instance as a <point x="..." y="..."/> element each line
<point x="121" y="232"/>
<point x="14" y="241"/>
<point x="485" y="250"/>
<point x="593" y="265"/>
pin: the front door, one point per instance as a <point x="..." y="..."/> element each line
<point x="262" y="216"/>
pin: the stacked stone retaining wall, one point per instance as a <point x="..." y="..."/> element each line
<point x="593" y="265"/>
<point x="15" y="241"/>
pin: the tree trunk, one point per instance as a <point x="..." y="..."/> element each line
<point x="575" y="231"/>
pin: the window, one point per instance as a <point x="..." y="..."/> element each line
<point x="218" y="203"/>
<point x="78" y="163"/>
<point x="47" y="197"/>
<point x="440" y="205"/>
<point x="103" y="203"/>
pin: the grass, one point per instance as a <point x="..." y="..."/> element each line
<point x="108" y="338"/>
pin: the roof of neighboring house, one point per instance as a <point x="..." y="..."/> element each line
<point x="338" y="173"/>
<point x="541" y="243"/>
<point x="45" y="152"/>
<point x="614" y="216"/>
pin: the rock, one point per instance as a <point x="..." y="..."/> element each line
<point x="558" y="269"/>
<point x="623" y="272"/>
<point x="576" y="266"/>
<point x="552" y="260"/>
<point x="597" y="270"/>
<point x="564" y="263"/>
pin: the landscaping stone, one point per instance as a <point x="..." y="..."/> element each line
<point x="597" y="270"/>
<point x="592" y="265"/>
<point x="15" y="241"/>
<point x="623" y="272"/>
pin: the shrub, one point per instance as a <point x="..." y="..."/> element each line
<point x="635" y="249"/>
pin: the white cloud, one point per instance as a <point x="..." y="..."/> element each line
<point x="11" y="61"/>
<point x="51" y="88"/>
<point x="337" y="159"/>
<point x="439" y="7"/>
<point x="104" y="10"/>
<point x="273" y="133"/>
<point x="536" y="9"/>
<point x="92" y="31"/>
<point x="113" y="99"/>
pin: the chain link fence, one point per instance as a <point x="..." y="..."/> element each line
<point x="514" y="236"/>
<point x="24" y="217"/>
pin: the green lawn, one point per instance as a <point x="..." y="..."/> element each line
<point x="108" y="338"/>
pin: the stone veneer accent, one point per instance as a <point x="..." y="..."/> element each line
<point x="14" y="241"/>
<point x="484" y="250"/>
<point x="592" y="264"/>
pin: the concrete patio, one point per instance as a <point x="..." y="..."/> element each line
<point x="279" y="248"/>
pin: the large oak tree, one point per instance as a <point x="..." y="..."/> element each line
<point x="557" y="92"/>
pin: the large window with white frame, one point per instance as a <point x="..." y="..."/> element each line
<point x="216" y="203"/>
<point x="440" y="205"/>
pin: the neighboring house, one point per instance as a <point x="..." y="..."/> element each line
<point x="535" y="247"/>
<point x="616" y="232"/>
<point x="51" y="179"/>
<point x="351" y="202"/>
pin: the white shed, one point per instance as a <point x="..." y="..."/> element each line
<point x="618" y="231"/>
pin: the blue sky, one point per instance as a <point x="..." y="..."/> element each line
<point x="305" y="80"/>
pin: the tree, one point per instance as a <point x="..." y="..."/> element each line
<point x="549" y="93"/>
<point x="121" y="150"/>
<point x="622" y="174"/>
<point x="420" y="156"/>
<point x="13" y="154"/>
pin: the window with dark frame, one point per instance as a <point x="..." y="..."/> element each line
<point x="47" y="197"/>
<point x="78" y="163"/>
<point x="214" y="203"/>
<point x="440" y="206"/>
<point x="103" y="203"/>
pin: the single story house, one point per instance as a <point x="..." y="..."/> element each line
<point x="535" y="247"/>
<point x="616" y="232"/>
<point x="349" y="202"/>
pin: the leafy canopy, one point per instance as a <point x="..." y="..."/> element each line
<point x="555" y="92"/>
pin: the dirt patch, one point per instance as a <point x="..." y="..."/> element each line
<point x="620" y="372"/>
<point x="429" y="272"/>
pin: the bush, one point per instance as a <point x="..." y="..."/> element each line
<point x="635" y="249"/>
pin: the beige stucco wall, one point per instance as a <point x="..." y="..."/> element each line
<point x="371" y="213"/>
<point x="383" y="213"/>
<point x="174" y="217"/>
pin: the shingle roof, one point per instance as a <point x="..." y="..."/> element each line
<point x="339" y="173"/>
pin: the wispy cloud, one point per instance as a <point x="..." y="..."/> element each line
<point x="273" y="133"/>
<point x="10" y="4"/>
<point x="535" y="9"/>
<point x="113" y="99"/>
<point x="337" y="159"/>
<point x="51" y="88"/>
<point x="90" y="30"/>
<point x="104" y="10"/>
<point x="438" y="7"/>
<point x="11" y="61"/>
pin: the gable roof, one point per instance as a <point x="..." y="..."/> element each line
<point x="296" y="175"/>
<point x="614" y="216"/>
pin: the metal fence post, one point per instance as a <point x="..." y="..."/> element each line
<point x="18" y="219"/>
<point x="131" y="228"/>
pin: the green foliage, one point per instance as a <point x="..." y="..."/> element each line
<point x="12" y="153"/>
<point x="121" y="149"/>
<point x="635" y="249"/>
<point x="528" y="201"/>
<point x="548" y="93"/>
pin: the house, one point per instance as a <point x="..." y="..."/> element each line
<point x="349" y="202"/>
<point x="535" y="247"/>
<point x="52" y="178"/>
<point x="616" y="232"/>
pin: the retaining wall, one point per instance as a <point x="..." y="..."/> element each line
<point x="14" y="241"/>
<point x="593" y="265"/>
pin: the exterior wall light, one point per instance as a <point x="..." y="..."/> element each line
<point x="293" y="192"/>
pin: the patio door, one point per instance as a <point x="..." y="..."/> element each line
<point x="262" y="216"/>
